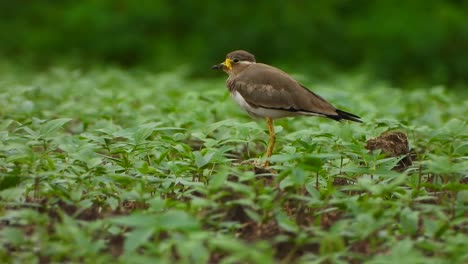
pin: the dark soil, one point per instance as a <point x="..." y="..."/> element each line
<point x="392" y="144"/>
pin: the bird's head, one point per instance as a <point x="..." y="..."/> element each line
<point x="235" y="62"/>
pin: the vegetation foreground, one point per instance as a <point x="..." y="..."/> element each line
<point x="135" y="167"/>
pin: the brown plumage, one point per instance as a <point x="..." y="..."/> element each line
<point x="265" y="91"/>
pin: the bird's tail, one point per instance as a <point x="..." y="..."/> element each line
<point x="342" y="115"/>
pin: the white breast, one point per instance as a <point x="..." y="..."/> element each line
<point x="259" y="111"/>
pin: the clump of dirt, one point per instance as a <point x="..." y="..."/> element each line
<point x="340" y="181"/>
<point x="393" y="144"/>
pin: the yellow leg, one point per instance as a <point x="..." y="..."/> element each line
<point x="271" y="142"/>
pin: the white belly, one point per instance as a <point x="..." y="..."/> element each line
<point x="259" y="111"/>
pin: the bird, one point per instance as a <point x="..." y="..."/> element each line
<point x="264" y="91"/>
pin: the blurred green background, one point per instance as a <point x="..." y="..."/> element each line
<point x="394" y="40"/>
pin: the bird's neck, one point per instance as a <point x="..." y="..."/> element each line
<point x="240" y="67"/>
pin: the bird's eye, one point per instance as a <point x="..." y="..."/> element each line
<point x="235" y="60"/>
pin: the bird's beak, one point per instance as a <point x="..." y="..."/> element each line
<point x="217" y="66"/>
<point x="224" y="65"/>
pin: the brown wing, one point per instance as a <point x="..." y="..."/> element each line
<point x="268" y="87"/>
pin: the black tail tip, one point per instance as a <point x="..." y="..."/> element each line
<point x="343" y="115"/>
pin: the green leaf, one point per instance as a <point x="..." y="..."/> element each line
<point x="200" y="160"/>
<point x="137" y="220"/>
<point x="401" y="250"/>
<point x="52" y="126"/>
<point x="409" y="221"/>
<point x="9" y="181"/>
<point x="170" y="220"/>
<point x="331" y="243"/>
<point x="13" y="235"/>
<point x="312" y="163"/>
<point x="136" y="238"/>
<point x="179" y="220"/>
<point x="285" y="222"/>
<point x="285" y="183"/>
<point x="144" y="131"/>
<point x="298" y="177"/>
<point x="253" y="215"/>
<point x="217" y="180"/>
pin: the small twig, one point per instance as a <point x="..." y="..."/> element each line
<point x="317" y="181"/>
<point x="341" y="166"/>
<point x="36" y="187"/>
<point x="419" y="178"/>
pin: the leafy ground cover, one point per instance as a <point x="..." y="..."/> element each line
<point x="107" y="165"/>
